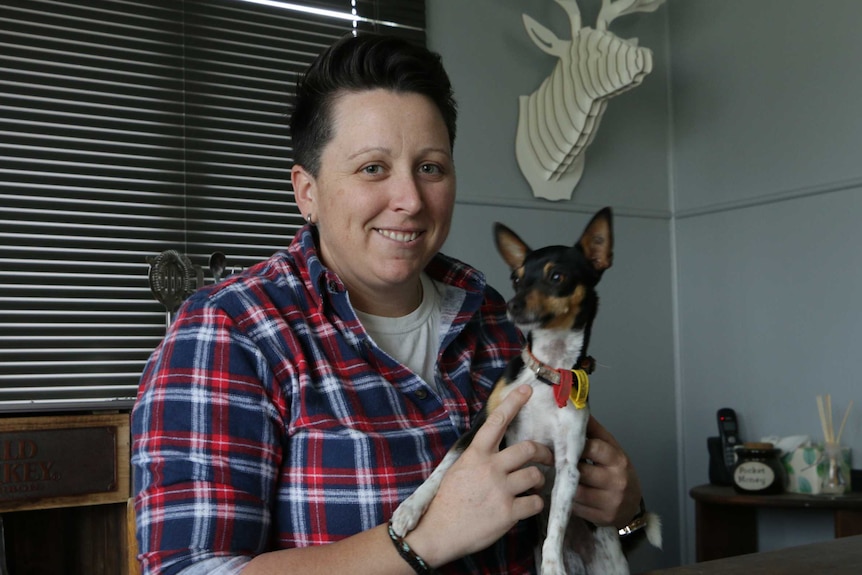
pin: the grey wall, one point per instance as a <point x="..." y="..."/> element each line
<point x="491" y="62"/>
<point x="766" y="148"/>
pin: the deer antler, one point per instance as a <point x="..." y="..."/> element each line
<point x="571" y="8"/>
<point x="614" y="9"/>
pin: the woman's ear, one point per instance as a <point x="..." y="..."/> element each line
<point x="303" y="190"/>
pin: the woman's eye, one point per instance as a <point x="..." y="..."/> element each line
<point x="431" y="169"/>
<point x="372" y="170"/>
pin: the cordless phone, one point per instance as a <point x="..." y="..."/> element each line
<point x="722" y="457"/>
<point x="728" y="433"/>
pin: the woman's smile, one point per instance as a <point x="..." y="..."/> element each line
<point x="401" y="237"/>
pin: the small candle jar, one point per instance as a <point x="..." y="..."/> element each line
<point x="758" y="470"/>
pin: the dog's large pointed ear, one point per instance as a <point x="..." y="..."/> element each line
<point x="511" y="247"/>
<point x="597" y="241"/>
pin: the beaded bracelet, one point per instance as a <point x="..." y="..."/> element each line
<point x="407" y="553"/>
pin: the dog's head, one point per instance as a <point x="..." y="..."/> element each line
<point x="555" y="285"/>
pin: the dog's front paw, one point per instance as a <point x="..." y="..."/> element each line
<point x="407" y="516"/>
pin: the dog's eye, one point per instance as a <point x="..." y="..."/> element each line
<point x="516" y="279"/>
<point x="556" y="278"/>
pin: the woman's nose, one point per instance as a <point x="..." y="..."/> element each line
<point x="407" y="194"/>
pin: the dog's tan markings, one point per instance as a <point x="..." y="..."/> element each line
<point x="496" y="395"/>
<point x="598" y="244"/>
<point x="518" y="273"/>
<point x="565" y="309"/>
<point x="535" y="305"/>
<point x="513" y="250"/>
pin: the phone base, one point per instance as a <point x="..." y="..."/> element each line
<point x="719" y="474"/>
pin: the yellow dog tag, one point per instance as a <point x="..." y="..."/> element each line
<point x="581" y="391"/>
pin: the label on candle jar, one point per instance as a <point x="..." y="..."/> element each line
<point x="753" y="476"/>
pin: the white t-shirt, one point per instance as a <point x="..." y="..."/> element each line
<point x="412" y="339"/>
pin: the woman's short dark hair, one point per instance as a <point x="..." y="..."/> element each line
<point x="360" y="63"/>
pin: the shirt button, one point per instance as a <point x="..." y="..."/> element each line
<point x="421" y="393"/>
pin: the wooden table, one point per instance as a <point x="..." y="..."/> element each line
<point x="836" y="557"/>
<point x="726" y="521"/>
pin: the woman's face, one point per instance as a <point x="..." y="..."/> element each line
<point x="383" y="197"/>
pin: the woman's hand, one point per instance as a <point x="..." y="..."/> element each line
<point x="486" y="492"/>
<point x="609" y="492"/>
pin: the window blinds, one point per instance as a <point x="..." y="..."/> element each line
<point x="130" y="127"/>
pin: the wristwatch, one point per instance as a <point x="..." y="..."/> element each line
<point x="637" y="523"/>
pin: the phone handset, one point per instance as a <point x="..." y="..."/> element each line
<point x="728" y="432"/>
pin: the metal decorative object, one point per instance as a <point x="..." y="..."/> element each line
<point x="558" y="121"/>
<point x="218" y="265"/>
<point x="173" y="278"/>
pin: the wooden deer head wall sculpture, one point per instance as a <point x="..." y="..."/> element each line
<point x="558" y="121"/>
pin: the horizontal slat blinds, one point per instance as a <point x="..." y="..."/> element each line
<point x="240" y="59"/>
<point x="129" y="127"/>
<point x="91" y="182"/>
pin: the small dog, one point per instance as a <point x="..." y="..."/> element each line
<point x="554" y="305"/>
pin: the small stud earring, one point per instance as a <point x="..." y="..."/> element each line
<point x="308" y="219"/>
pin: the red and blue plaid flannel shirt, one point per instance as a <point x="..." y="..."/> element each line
<point x="268" y="419"/>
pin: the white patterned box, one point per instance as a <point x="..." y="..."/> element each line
<point x="808" y="466"/>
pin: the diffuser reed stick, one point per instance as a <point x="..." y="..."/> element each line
<point x="824" y="423"/>
<point x="824" y="408"/>
<point x="843" y="421"/>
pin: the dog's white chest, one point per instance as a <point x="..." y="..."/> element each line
<point x="541" y="419"/>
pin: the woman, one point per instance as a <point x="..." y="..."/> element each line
<point x="292" y="407"/>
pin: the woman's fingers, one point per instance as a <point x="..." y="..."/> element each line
<point x="609" y="492"/>
<point x="527" y="506"/>
<point x="487" y="491"/>
<point x="525" y="453"/>
<point x="489" y="436"/>
<point x="525" y="479"/>
<point x="607" y="467"/>
<point x="491" y="433"/>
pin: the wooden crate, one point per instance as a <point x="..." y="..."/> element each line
<point x="64" y="505"/>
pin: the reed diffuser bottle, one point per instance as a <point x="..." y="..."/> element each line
<point x="837" y="466"/>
